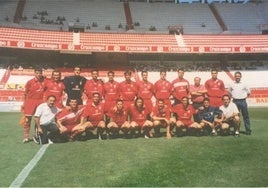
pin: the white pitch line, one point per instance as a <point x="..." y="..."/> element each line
<point x="28" y="168"/>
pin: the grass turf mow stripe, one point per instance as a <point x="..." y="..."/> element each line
<point x="28" y="168"/>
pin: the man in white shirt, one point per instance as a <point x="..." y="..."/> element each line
<point x="230" y="115"/>
<point x="239" y="92"/>
<point x="45" y="120"/>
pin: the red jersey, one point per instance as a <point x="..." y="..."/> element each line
<point x="54" y="88"/>
<point x="197" y="98"/>
<point x="69" y="117"/>
<point x="118" y="116"/>
<point x="145" y="89"/>
<point x="180" y="88"/>
<point x="93" y="86"/>
<point x="215" y="88"/>
<point x="163" y="113"/>
<point x="138" y="116"/>
<point x="184" y="113"/>
<point x="34" y="89"/>
<point x="128" y="90"/>
<point x="162" y="89"/>
<point x="94" y="113"/>
<point x="111" y="91"/>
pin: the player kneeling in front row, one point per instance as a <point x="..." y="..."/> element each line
<point x="184" y="122"/>
<point x="209" y="116"/>
<point x="68" y="121"/>
<point x="161" y="118"/>
<point x="45" y="121"/>
<point x="139" y="118"/>
<point x="118" y="120"/>
<point x="93" y="117"/>
<point x="230" y="117"/>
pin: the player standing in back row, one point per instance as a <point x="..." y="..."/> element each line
<point x="74" y="86"/>
<point x="215" y="89"/>
<point x="34" y="90"/>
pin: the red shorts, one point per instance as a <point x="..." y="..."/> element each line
<point x="30" y="106"/>
<point x="215" y="101"/>
<point x="187" y="123"/>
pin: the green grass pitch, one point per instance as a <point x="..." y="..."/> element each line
<point x="220" y="161"/>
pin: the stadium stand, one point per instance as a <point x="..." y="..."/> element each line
<point x="7" y="12"/>
<point x="235" y="14"/>
<point x="163" y="15"/>
<point x="75" y="12"/>
<point x="93" y="16"/>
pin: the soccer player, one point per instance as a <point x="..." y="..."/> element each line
<point x="215" y="88"/>
<point x="33" y="96"/>
<point x="139" y="118"/>
<point x="209" y="116"/>
<point x="163" y="88"/>
<point x="68" y="120"/>
<point x="128" y="89"/>
<point x="184" y="112"/>
<point x="197" y="94"/>
<point x="161" y="118"/>
<point x="118" y="119"/>
<point x="94" y="85"/>
<point x="45" y="121"/>
<point x="74" y="86"/>
<point x="239" y="92"/>
<point x="180" y="86"/>
<point x="56" y="87"/>
<point x="93" y="116"/>
<point x="230" y="117"/>
<point x="110" y="91"/>
<point x="145" y="90"/>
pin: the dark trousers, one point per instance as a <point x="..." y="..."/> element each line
<point x="49" y="130"/>
<point x="243" y="108"/>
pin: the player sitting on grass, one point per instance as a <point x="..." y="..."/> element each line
<point x="46" y="122"/>
<point x="93" y="117"/>
<point x="118" y="119"/>
<point x="184" y="122"/>
<point x="209" y="116"/>
<point x="69" y="118"/>
<point x="230" y="117"/>
<point x="139" y="118"/>
<point x="161" y="118"/>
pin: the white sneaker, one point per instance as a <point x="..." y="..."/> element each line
<point x="36" y="140"/>
<point x="146" y="137"/>
<point x="50" y="142"/>
<point x="26" y="140"/>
